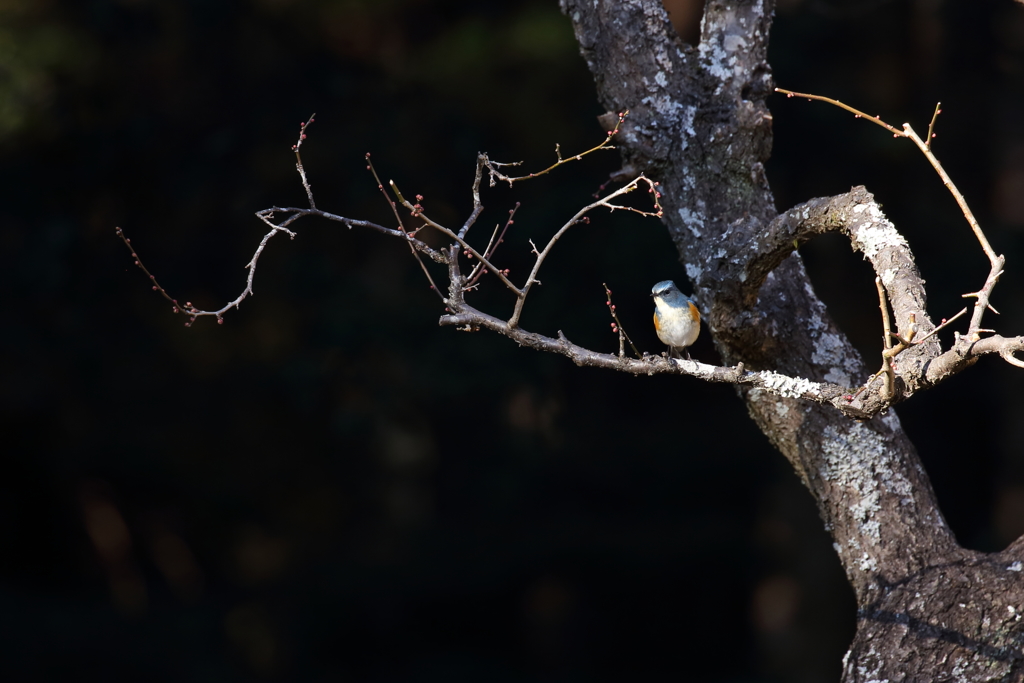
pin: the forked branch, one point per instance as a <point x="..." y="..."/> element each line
<point x="996" y="262"/>
<point x="854" y="214"/>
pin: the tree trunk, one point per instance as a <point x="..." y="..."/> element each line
<point x="928" y="609"/>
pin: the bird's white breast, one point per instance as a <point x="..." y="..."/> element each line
<point x="676" y="326"/>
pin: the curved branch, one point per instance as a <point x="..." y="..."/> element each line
<point x="996" y="262"/>
<point x="267" y="216"/>
<point x="858" y="217"/>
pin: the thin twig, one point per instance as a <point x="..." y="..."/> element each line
<point x="418" y="213"/>
<point x="968" y="214"/>
<point x="605" y="144"/>
<point x="581" y="217"/>
<point x="492" y="246"/>
<point x="945" y="323"/>
<point x="401" y="225"/>
<point x="478" y="206"/>
<point x="890" y="377"/>
<point x="931" y="124"/>
<point x="996" y="262"/>
<point x="982" y="296"/>
<point x="191" y="311"/>
<point x="617" y="326"/>
<point x="380" y="187"/>
<point x="298" y="159"/>
<point x="856" y="112"/>
<point x="884" y="306"/>
<point x="908" y="132"/>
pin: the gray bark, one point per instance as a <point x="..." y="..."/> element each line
<point x="928" y="610"/>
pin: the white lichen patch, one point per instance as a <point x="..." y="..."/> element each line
<point x="719" y="59"/>
<point x="857" y="460"/>
<point x="693" y="221"/>
<point x="734" y="43"/>
<point x="694" y="272"/>
<point x="873" y="235"/>
<point x="666" y="108"/>
<point x="837" y="376"/>
<point x="866" y="674"/>
<point x="788" y="387"/>
<point x="832" y="351"/>
<point x="689" y="181"/>
<point x="867" y="563"/>
<point x="715" y="60"/>
<point x="663" y="59"/>
<point x="892" y="421"/>
<point x="686" y="121"/>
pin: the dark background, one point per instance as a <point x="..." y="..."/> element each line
<point x="329" y="486"/>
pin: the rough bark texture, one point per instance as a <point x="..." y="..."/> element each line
<point x="929" y="610"/>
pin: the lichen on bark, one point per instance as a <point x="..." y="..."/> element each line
<point x="700" y="125"/>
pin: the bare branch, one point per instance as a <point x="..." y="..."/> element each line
<point x="267" y="216"/>
<point x="472" y="319"/>
<point x="945" y="323"/>
<point x="857" y="216"/>
<point x="890" y="377"/>
<point x="1008" y="348"/>
<point x="417" y="211"/>
<point x="996" y="262"/>
<point x="581" y="217"/>
<point x="478" y="206"/>
<point x="617" y="326"/>
<point x="401" y="225"/>
<point x="492" y="245"/>
<point x="854" y="214"/>
<point x="495" y="174"/>
<point x="931" y="124"/>
<point x="856" y="112"/>
<point x="298" y="160"/>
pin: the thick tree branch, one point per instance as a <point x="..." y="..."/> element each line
<point x="704" y="131"/>
<point x="700" y="126"/>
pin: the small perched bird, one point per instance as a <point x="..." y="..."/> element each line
<point x="676" y="318"/>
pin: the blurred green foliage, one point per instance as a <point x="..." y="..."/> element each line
<point x="40" y="54"/>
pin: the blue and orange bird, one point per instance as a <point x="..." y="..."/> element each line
<point x="676" y="318"/>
